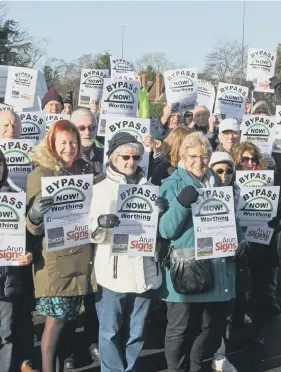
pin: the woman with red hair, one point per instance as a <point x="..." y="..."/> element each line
<point x="61" y="277"/>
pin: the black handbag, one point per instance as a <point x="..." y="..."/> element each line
<point x="190" y="276"/>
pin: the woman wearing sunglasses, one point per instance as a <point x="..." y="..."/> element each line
<point x="223" y="165"/>
<point x="263" y="259"/>
<point x="125" y="283"/>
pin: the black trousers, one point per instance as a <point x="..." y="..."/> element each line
<point x="194" y="330"/>
<point x="91" y="325"/>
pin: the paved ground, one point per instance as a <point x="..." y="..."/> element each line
<point x="153" y="360"/>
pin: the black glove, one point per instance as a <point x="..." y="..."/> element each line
<point x="241" y="251"/>
<point x="187" y="196"/>
<point x="39" y="208"/>
<point x="276" y="85"/>
<point x="108" y="221"/>
<point x="162" y="205"/>
<point x="274" y="223"/>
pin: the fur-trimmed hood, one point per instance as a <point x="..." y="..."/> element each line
<point x="41" y="156"/>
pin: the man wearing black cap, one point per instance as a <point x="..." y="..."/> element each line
<point x="52" y="102"/>
<point x="67" y="106"/>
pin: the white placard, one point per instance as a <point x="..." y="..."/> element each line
<point x="91" y="84"/>
<point x="258" y="178"/>
<point x="4" y="107"/>
<point x="230" y="100"/>
<point x="206" y="94"/>
<point x="214" y="223"/>
<point x="139" y="128"/>
<point x="12" y="227"/>
<point x="260" y="67"/>
<point x="277" y="142"/>
<point x="136" y="209"/>
<point x="260" y="130"/>
<point x="181" y="88"/>
<point x="259" y="234"/>
<point x="67" y="223"/>
<point x="51" y="118"/>
<point x="18" y="161"/>
<point x="257" y="204"/>
<point x="21" y="86"/>
<point x="122" y="69"/>
<point x="32" y="125"/>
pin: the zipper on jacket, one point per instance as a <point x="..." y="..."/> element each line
<point x="115" y="261"/>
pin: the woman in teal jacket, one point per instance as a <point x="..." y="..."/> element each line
<point x="210" y="308"/>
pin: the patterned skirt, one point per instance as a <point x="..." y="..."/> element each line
<point x="66" y="308"/>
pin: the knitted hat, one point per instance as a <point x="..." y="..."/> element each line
<point x="221" y="157"/>
<point x="229" y="124"/>
<point x="261" y="107"/>
<point x="119" y="139"/>
<point x="67" y="100"/>
<point x="51" y="95"/>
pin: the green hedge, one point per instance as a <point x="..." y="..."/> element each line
<point x="156" y="110"/>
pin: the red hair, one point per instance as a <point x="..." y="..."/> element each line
<point x="58" y="127"/>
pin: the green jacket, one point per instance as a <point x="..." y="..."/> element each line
<point x="177" y="225"/>
<point x="67" y="272"/>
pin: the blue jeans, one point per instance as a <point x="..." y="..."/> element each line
<point x="122" y="319"/>
<point x="6" y="342"/>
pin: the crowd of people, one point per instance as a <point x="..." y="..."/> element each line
<point x="187" y="152"/>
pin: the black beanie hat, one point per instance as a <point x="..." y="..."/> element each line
<point x="67" y="100"/>
<point x="119" y="139"/>
<point x="51" y="95"/>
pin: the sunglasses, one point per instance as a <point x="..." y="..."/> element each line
<point x="82" y="128"/>
<point x="246" y="159"/>
<point x="128" y="157"/>
<point x="226" y="171"/>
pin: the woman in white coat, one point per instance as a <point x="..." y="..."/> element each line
<point x="125" y="283"/>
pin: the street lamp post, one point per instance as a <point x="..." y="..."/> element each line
<point x="123" y="28"/>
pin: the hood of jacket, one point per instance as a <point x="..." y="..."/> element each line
<point x="41" y="156"/>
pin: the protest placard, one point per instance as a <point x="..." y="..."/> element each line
<point x="214" y="223"/>
<point x="32" y="125"/>
<point x="21" y="86"/>
<point x="258" y="178"/>
<point x="277" y="141"/>
<point x="139" y="128"/>
<point x="12" y="227"/>
<point x="257" y="204"/>
<point x="260" y="67"/>
<point x="67" y="223"/>
<point x="17" y="158"/>
<point x="230" y="100"/>
<point x="206" y="94"/>
<point x="259" y="234"/>
<point x="91" y="84"/>
<point x="4" y="107"/>
<point x="260" y="130"/>
<point x="122" y="69"/>
<point x="181" y="88"/>
<point x="136" y="209"/>
<point x="51" y="118"/>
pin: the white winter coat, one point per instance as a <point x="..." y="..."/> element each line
<point x="119" y="274"/>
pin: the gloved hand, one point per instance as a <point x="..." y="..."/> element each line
<point x="274" y="223"/>
<point x="241" y="251"/>
<point x="39" y="208"/>
<point x="108" y="221"/>
<point x="162" y="205"/>
<point x="276" y="85"/>
<point x="187" y="196"/>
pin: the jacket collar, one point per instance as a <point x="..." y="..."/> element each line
<point x="114" y="176"/>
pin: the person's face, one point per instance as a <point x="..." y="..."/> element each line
<point x="225" y="172"/>
<point x="67" y="109"/>
<point x="229" y="138"/>
<point x="127" y="161"/>
<point x="201" y="118"/>
<point x="1" y="170"/>
<point x="87" y="129"/>
<point x="53" y="107"/>
<point x="247" y="107"/>
<point x="174" y="121"/>
<point x="249" y="161"/>
<point x="66" y="146"/>
<point x="197" y="161"/>
<point x="188" y="118"/>
<point x="10" y="127"/>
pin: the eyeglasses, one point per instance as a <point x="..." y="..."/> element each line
<point x="188" y="115"/>
<point x="247" y="159"/>
<point x="82" y="128"/>
<point x="227" y="133"/>
<point x="128" y="157"/>
<point x="220" y="171"/>
<point x="205" y="159"/>
<point x="55" y="105"/>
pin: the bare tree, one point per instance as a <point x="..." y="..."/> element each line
<point x="224" y="63"/>
<point x="156" y="61"/>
